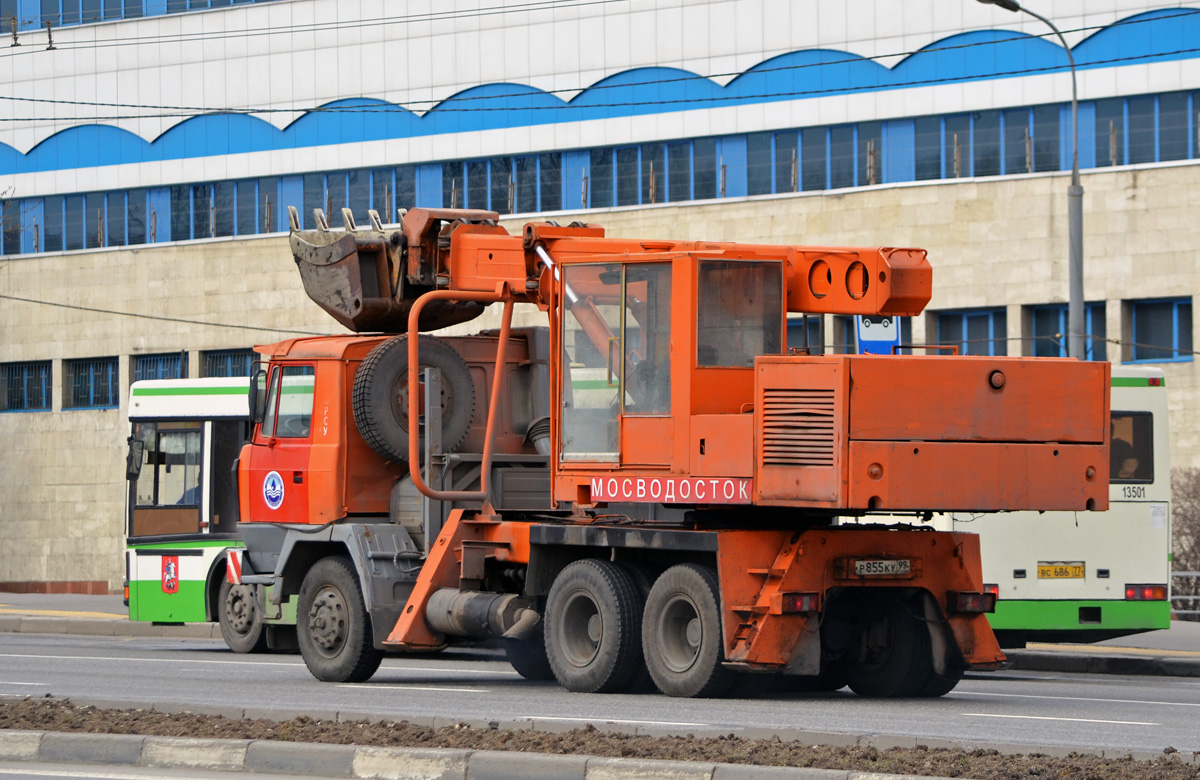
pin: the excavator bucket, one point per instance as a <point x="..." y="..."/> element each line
<point x="354" y="276"/>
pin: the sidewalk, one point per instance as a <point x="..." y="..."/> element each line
<point x="68" y="613"/>
<point x="1173" y="652"/>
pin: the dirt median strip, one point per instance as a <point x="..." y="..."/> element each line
<point x="33" y="729"/>
<point x="292" y="759"/>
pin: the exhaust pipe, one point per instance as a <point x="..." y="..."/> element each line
<point x="480" y="615"/>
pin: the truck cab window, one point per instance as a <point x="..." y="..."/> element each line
<point x="295" y="403"/>
<point x="739" y="312"/>
<point x="289" y="403"/>
<point x="1131" y="458"/>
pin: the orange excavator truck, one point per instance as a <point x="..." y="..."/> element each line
<point x="646" y="491"/>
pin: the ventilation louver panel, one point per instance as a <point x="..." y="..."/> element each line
<point x="798" y="427"/>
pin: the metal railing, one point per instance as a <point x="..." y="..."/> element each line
<point x="1179" y="600"/>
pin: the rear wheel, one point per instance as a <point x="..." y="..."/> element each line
<point x="939" y="684"/>
<point x="892" y="656"/>
<point x="681" y="633"/>
<point x="240" y="618"/>
<point x="643" y="578"/>
<point x="593" y="623"/>
<point x="333" y="627"/>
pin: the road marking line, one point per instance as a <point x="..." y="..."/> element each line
<point x="6" y="682"/>
<point x="297" y="663"/>
<point x="616" y="720"/>
<point x="406" y="687"/>
<point x="137" y="659"/>
<point x="1072" y="720"/>
<point x="1084" y="698"/>
<point x="61" y="613"/>
<point x="510" y="673"/>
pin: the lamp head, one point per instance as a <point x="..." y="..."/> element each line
<point x="1007" y="5"/>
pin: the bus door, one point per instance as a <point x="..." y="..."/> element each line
<point x="167" y="507"/>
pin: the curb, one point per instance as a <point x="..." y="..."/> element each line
<point x="262" y="754"/>
<point x="116" y="626"/>
<point x="1114" y="663"/>
<point x="304" y="759"/>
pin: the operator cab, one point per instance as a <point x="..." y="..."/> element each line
<point x="658" y="368"/>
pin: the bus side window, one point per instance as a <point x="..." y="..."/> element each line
<point x="1131" y="458"/>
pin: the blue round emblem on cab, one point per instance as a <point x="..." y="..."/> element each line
<point x="273" y="490"/>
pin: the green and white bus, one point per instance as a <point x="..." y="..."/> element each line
<point x="182" y="506"/>
<point x="1090" y="576"/>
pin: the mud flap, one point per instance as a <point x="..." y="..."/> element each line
<point x="937" y="635"/>
<point x="806" y="654"/>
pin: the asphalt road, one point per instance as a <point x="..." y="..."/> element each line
<point x="1017" y="708"/>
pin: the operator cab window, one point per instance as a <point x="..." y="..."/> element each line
<point x="616" y="340"/>
<point x="739" y="312"/>
<point x="1131" y="458"/>
<point x="289" y="403"/>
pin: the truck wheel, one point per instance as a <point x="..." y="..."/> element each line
<point x="681" y="633"/>
<point x="643" y="578"/>
<point x="333" y="627"/>
<point x="380" y="396"/>
<point x="240" y="618"/>
<point x="939" y="684"/>
<point x="593" y="618"/>
<point x="528" y="656"/>
<point x="892" y="657"/>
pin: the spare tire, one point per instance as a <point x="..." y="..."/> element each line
<point x="380" y="397"/>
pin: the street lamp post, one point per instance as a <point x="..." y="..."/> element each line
<point x="1075" y="330"/>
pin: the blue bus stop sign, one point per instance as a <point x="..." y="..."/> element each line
<point x="877" y="335"/>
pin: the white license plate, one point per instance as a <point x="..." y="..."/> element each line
<point x="895" y="568"/>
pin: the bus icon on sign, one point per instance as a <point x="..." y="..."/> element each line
<point x="878" y="335"/>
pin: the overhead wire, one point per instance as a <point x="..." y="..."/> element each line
<point x="446" y="104"/>
<point x="596" y="106"/>
<point x="292" y="29"/>
<point x="159" y="318"/>
<point x="291" y="331"/>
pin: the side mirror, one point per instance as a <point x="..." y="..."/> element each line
<point x="258" y="392"/>
<point x="133" y="461"/>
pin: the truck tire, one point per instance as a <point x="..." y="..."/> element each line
<point x="240" y="618"/>
<point x="333" y="628"/>
<point x="643" y="578"/>
<point x="593" y="622"/>
<point x="892" y="657"/>
<point x="380" y="395"/>
<point x="681" y="633"/>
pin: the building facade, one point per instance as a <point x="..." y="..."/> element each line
<point x="152" y="149"/>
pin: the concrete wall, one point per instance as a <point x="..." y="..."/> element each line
<point x="992" y="243"/>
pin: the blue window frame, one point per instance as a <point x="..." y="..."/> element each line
<point x="1050" y="329"/>
<point x="1162" y="330"/>
<point x="172" y="365"/>
<point x="11" y="233"/>
<point x="226" y="362"/>
<point x="26" y="386"/>
<point x="65" y="13"/>
<point x="805" y="333"/>
<point x="1133" y="129"/>
<point x="91" y="383"/>
<point x="974" y="332"/>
